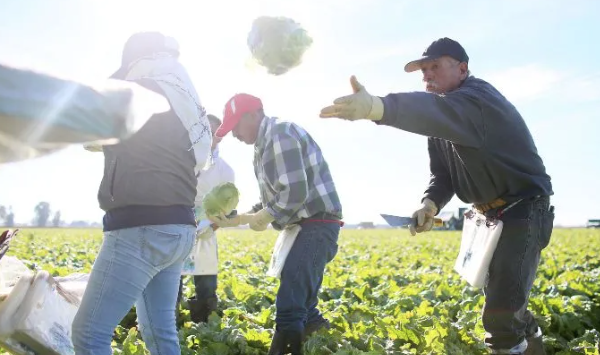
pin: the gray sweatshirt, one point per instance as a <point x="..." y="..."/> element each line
<point x="479" y="145"/>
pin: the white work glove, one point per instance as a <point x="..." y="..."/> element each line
<point x="205" y="233"/>
<point x="424" y="217"/>
<point x="359" y="105"/>
<point x="260" y="220"/>
<point x="223" y="221"/>
<point x="93" y="147"/>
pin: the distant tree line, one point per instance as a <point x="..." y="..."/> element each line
<point x="42" y="213"/>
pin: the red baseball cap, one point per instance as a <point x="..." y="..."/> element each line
<point x="234" y="109"/>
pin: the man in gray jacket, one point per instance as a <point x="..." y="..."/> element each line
<point x="481" y="150"/>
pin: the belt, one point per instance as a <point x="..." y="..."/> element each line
<point x="323" y="217"/>
<point x="484" y="207"/>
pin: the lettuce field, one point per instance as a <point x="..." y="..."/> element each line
<point x="385" y="293"/>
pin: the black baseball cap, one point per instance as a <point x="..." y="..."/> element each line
<point x="439" y="48"/>
<point x="144" y="44"/>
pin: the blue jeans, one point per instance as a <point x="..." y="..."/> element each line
<point x="526" y="232"/>
<point x="302" y="275"/>
<point x="138" y="266"/>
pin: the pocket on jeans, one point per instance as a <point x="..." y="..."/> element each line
<point x="547" y="225"/>
<point x="159" y="245"/>
<point x="325" y="248"/>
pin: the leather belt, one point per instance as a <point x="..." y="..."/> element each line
<point x="323" y="217"/>
<point x="484" y="207"/>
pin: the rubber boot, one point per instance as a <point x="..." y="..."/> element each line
<point x="535" y="346"/>
<point x="294" y="342"/>
<point x="286" y="342"/>
<point x="201" y="309"/>
<point x="314" y="327"/>
<point x="278" y="345"/>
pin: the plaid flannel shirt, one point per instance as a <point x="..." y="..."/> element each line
<point x="293" y="177"/>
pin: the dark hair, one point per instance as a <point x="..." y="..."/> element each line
<point x="214" y="119"/>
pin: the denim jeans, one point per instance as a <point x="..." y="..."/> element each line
<point x="302" y="275"/>
<point x="526" y="232"/>
<point x="138" y="266"/>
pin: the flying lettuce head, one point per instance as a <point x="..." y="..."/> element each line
<point x="221" y="200"/>
<point x="278" y="43"/>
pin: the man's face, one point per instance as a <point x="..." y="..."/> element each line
<point x="443" y="75"/>
<point x="215" y="140"/>
<point x="247" y="129"/>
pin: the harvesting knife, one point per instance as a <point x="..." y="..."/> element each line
<point x="396" y="221"/>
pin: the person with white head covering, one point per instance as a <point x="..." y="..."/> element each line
<point x="203" y="261"/>
<point x="148" y="194"/>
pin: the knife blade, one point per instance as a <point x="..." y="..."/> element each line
<point x="397" y="221"/>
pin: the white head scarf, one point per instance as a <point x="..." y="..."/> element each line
<point x="174" y="80"/>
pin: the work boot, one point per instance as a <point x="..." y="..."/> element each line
<point x="212" y="305"/>
<point x="278" y="345"/>
<point x="314" y="327"/>
<point x="535" y="346"/>
<point x="201" y="309"/>
<point x="294" y="342"/>
<point x="286" y="342"/>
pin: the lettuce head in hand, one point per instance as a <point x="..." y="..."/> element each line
<point x="221" y="200"/>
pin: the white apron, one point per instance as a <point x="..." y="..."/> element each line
<point x="282" y="248"/>
<point x="203" y="260"/>
<point x="480" y="237"/>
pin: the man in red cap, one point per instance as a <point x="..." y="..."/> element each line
<point x="296" y="188"/>
<point x="481" y="150"/>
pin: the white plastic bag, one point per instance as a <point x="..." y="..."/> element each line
<point x="44" y="318"/>
<point x="38" y="313"/>
<point x="11" y="269"/>
<point x="282" y="248"/>
<point x="74" y="283"/>
<point x="480" y="237"/>
<point x="8" y="307"/>
<point x="10" y="303"/>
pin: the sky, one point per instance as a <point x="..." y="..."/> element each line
<point x="539" y="54"/>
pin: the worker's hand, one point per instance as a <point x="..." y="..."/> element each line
<point x="223" y="222"/>
<point x="260" y="220"/>
<point x="423" y="217"/>
<point x="93" y="147"/>
<point x="359" y="105"/>
<point x="205" y="233"/>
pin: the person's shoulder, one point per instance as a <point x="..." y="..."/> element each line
<point x="475" y="82"/>
<point x="472" y="84"/>
<point x="480" y="89"/>
<point x="288" y="128"/>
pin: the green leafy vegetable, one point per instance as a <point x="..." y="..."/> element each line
<point x="222" y="199"/>
<point x="385" y="293"/>
<point x="278" y="43"/>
